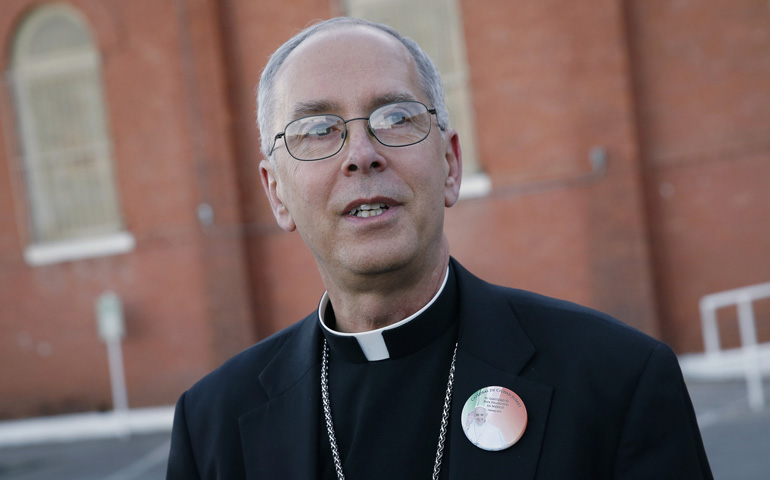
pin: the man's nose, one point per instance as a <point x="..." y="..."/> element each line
<point x="362" y="152"/>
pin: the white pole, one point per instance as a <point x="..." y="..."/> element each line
<point x="110" y="324"/>
<point x="117" y="376"/>
<point x="748" y="331"/>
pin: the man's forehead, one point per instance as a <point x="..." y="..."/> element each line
<point x="353" y="36"/>
<point x="336" y="68"/>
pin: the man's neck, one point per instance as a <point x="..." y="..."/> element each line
<point x="388" y="298"/>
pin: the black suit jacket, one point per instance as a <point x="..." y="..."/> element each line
<point x="604" y="401"/>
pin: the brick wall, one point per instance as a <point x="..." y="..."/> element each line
<point x="675" y="92"/>
<point x="702" y="83"/>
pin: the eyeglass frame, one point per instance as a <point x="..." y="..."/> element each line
<point x="431" y="111"/>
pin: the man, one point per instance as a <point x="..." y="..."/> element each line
<point x="482" y="433"/>
<point x="361" y="162"/>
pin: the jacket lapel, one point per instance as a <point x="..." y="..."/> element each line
<point x="493" y="351"/>
<point x="280" y="437"/>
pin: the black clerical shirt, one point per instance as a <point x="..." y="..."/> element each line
<point x="387" y="411"/>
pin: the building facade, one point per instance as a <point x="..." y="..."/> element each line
<point x="616" y="156"/>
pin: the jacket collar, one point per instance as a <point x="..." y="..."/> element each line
<point x="488" y="329"/>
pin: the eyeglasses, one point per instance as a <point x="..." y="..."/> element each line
<point x="316" y="137"/>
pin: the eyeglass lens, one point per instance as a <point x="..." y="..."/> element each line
<point x="394" y="125"/>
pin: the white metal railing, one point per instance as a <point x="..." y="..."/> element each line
<point x="743" y="298"/>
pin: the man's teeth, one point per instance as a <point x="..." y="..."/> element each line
<point x="369" y="210"/>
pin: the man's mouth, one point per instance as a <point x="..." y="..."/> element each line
<point x="368" y="210"/>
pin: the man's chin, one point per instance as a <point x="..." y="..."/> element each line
<point x="367" y="264"/>
<point x="377" y="265"/>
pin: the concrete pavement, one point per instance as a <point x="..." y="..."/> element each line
<point x="737" y="439"/>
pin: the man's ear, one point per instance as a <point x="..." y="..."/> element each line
<point x="273" y="192"/>
<point x="454" y="159"/>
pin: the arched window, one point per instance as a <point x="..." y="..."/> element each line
<point x="62" y="123"/>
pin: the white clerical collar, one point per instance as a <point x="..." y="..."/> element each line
<point x="372" y="343"/>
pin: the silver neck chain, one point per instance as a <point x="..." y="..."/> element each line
<point x="330" y="424"/>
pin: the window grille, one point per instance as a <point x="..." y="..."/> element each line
<point x="66" y="157"/>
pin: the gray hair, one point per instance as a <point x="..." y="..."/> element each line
<point x="430" y="79"/>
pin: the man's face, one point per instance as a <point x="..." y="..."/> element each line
<point x="480" y="416"/>
<point x="349" y="72"/>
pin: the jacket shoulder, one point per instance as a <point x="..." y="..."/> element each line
<point x="562" y="324"/>
<point x="576" y="339"/>
<point x="533" y="309"/>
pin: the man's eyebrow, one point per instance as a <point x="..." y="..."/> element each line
<point x="392" y="97"/>
<point x="314" y="107"/>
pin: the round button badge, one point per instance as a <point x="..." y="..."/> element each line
<point x="494" y="418"/>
